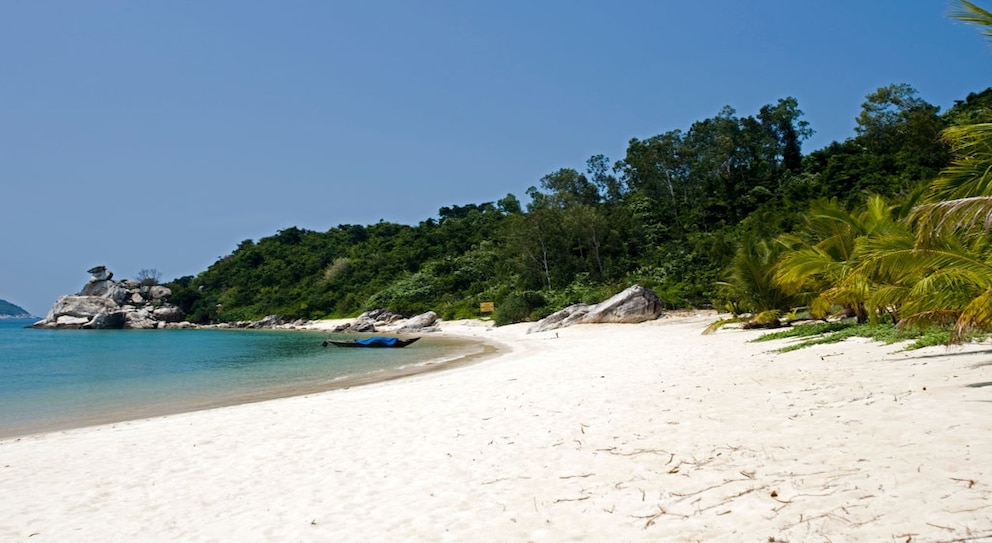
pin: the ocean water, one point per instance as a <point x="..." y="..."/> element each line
<point x="56" y="379"/>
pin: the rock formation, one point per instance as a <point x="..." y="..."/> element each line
<point x="425" y="322"/>
<point x="370" y="321"/>
<point x="381" y="320"/>
<point x="635" y="304"/>
<point x="107" y="304"/>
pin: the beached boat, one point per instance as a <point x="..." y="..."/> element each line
<point x="375" y="341"/>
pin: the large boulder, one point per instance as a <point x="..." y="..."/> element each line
<point x="107" y="321"/>
<point x="636" y="304"/>
<point x="168" y="313"/>
<point x="370" y="321"/>
<point x="83" y="312"/>
<point x="425" y="322"/>
<point x="566" y="317"/>
<point x="107" y="289"/>
<point x="65" y="321"/>
<point x="139" y="319"/>
<point x="159" y="292"/>
<point x="269" y="321"/>
<point x="100" y="273"/>
<point x="81" y="306"/>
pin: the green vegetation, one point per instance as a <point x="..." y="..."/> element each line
<point x="10" y="310"/>
<point x="835" y="332"/>
<point x="890" y="225"/>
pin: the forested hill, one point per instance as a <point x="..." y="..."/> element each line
<point x="676" y="214"/>
<point x="11" y="311"/>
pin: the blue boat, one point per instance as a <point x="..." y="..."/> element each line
<point x="374" y="342"/>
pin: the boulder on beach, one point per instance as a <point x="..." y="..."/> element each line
<point x="425" y="322"/>
<point x="633" y="305"/>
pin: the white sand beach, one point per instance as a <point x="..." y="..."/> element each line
<point x="646" y="432"/>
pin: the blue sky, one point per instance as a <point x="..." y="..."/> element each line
<point x="161" y="134"/>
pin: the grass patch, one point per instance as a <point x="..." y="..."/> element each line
<point x="835" y="332"/>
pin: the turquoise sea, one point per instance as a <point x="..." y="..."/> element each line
<point x="57" y="379"/>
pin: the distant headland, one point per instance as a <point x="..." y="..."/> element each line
<point x="11" y="311"/>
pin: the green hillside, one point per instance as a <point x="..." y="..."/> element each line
<point x="11" y="311"/>
<point x="685" y="213"/>
<point x="891" y="225"/>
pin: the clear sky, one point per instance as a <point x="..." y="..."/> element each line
<point x="161" y="134"/>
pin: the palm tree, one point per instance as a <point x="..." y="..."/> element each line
<point x="953" y="246"/>
<point x="961" y="197"/>
<point x="828" y="264"/>
<point x="949" y="280"/>
<point x="749" y="284"/>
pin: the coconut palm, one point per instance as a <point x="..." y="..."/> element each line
<point x="749" y="284"/>
<point x="947" y="280"/>
<point x="952" y="250"/>
<point x="829" y="263"/>
<point x="961" y="197"/>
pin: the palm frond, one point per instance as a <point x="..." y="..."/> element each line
<point x="964" y="214"/>
<point x="976" y="315"/>
<point x="970" y="13"/>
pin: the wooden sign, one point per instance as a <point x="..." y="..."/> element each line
<point x="487" y="307"/>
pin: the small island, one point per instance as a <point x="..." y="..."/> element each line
<point x="12" y="311"/>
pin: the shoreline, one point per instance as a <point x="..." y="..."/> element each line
<point x="191" y="405"/>
<point x="598" y="432"/>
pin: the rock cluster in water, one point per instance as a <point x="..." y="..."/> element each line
<point x="107" y="304"/>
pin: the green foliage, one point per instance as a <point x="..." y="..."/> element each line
<point x="824" y="333"/>
<point x="409" y="295"/>
<point x="9" y="309"/>
<point x="518" y="307"/>
<point x="728" y="212"/>
<point x="149" y="277"/>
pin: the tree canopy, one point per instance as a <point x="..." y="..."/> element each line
<point x="728" y="212"/>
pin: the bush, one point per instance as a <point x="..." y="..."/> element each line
<point x="518" y="307"/>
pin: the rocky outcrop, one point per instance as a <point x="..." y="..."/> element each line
<point x="371" y="321"/>
<point x="382" y="320"/>
<point x="636" y="304"/>
<point x="566" y="317"/>
<point x="425" y="322"/>
<point x="107" y="304"/>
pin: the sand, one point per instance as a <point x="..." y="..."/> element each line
<point x="646" y="432"/>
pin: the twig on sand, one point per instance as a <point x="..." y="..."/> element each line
<point x="728" y="499"/>
<point x="971" y="482"/>
<point x="559" y="500"/>
<point x="707" y="489"/>
<point x="635" y="452"/>
<point x="829" y="514"/>
<point x="576" y="476"/>
<point x="652" y="518"/>
<point x="972" y="538"/>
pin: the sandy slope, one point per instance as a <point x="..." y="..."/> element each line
<point x="649" y="432"/>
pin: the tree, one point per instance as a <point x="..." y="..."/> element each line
<point x="749" y="284"/>
<point x="610" y="188"/>
<point x="952" y="227"/>
<point x="149" y="277"/>
<point x="786" y="132"/>
<point x="825" y="265"/>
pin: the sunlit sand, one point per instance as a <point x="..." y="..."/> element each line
<point x="647" y="432"/>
